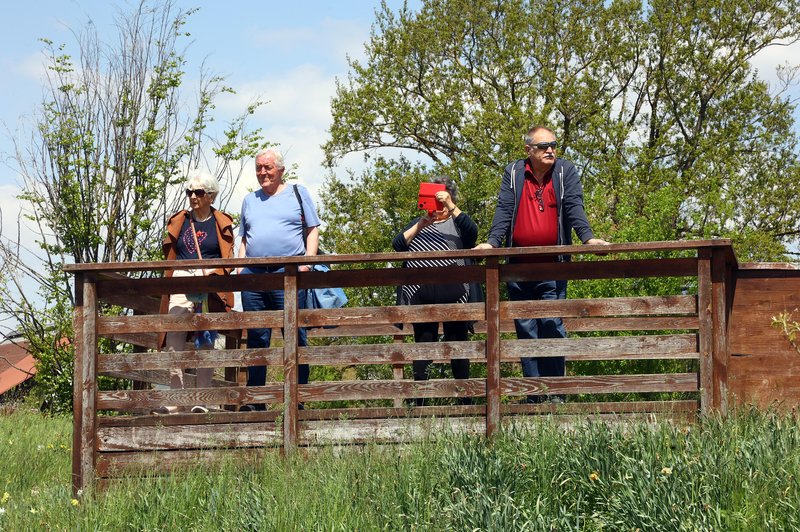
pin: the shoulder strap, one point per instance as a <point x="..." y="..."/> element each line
<point x="302" y="212"/>
<point x="194" y="234"/>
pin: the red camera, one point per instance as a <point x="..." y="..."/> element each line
<point x="427" y="197"/>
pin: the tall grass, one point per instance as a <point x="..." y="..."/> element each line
<point x="735" y="474"/>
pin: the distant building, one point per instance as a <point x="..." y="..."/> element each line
<point x="17" y="365"/>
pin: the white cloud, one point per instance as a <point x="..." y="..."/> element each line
<point x="768" y="60"/>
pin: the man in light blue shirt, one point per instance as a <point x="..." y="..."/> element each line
<point x="272" y="226"/>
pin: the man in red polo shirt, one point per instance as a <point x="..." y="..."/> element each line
<point x="540" y="203"/>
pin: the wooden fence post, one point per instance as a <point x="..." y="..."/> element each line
<point x="719" y="319"/>
<point x="492" y="346"/>
<point x="84" y="385"/>
<point x="290" y="371"/>
<point x="397" y="370"/>
<point x="706" y="330"/>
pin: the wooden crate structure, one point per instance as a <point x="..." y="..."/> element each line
<point x="690" y="326"/>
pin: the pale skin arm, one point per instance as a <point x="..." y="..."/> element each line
<point x="411" y="233"/>
<point x="444" y="198"/>
<point x="242" y="252"/>
<point x="312" y="245"/>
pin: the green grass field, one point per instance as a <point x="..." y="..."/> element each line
<point x="735" y="474"/>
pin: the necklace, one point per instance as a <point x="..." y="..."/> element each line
<point x="198" y="220"/>
<point x="537" y="193"/>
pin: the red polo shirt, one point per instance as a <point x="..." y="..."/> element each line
<point x="537" y="220"/>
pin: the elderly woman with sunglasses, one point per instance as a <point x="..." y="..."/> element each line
<point x="202" y="232"/>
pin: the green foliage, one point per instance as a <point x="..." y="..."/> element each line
<point x="738" y="473"/>
<point x="113" y="136"/>
<point x="790" y="328"/>
<point x="658" y="104"/>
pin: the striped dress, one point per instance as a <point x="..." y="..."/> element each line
<point x="435" y="237"/>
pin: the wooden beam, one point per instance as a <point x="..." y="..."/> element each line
<point x="290" y="370"/>
<point x="492" y="317"/>
<point x="706" y="331"/>
<point x="720" y="277"/>
<point x="85" y="379"/>
<point x="129" y="400"/>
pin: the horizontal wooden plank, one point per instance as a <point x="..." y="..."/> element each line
<point x="787" y="266"/>
<point x="667" y="382"/>
<point x="157" y="286"/>
<point x="389" y="389"/>
<point x="190" y="359"/>
<point x="605" y="269"/>
<point x="389" y="353"/>
<point x="187" y="437"/>
<point x="138" y="303"/>
<point x="147" y="340"/>
<point x="340" y="414"/>
<point x="393" y="430"/>
<point x="627" y="247"/>
<point x="577" y="421"/>
<point x="156" y="376"/>
<point x="604" y="348"/>
<point x="186" y="418"/>
<point x="211" y="321"/>
<point x="392" y="315"/>
<point x="610" y="306"/>
<point x="648" y="347"/>
<point x="116" y="464"/>
<point x="645" y="323"/>
<point x="608" y="407"/>
<point x="131" y="400"/>
<point x="639" y="323"/>
<point x="391" y="276"/>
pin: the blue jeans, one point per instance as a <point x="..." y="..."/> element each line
<point x="260" y="337"/>
<point x="532" y="328"/>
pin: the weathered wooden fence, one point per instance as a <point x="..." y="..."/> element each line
<point x="690" y="327"/>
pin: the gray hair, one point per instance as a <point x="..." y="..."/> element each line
<point x="528" y="138"/>
<point x="206" y="182"/>
<point x="449" y="185"/>
<point x="277" y="156"/>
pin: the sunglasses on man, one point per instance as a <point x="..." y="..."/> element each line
<point x="543" y="145"/>
<point x="197" y="192"/>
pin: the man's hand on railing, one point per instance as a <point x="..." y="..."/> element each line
<point x="484" y="245"/>
<point x="598" y="241"/>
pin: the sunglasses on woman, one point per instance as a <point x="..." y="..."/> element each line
<point x="198" y="192"/>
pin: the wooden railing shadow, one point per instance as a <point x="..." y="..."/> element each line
<point x="114" y="432"/>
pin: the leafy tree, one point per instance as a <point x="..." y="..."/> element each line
<point x="112" y="137"/>
<point x="658" y="104"/>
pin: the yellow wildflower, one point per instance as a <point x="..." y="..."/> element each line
<point x="74" y="502"/>
<point x="5" y="497"/>
<point x="594" y="476"/>
<point x="666" y="470"/>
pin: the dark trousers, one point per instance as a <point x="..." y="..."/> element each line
<point x="429" y="332"/>
<point x="533" y="328"/>
<point x="261" y="337"/>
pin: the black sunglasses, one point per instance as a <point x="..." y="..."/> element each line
<point x="544" y="145"/>
<point x="199" y="192"/>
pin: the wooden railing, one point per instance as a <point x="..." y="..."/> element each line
<point x="690" y="327"/>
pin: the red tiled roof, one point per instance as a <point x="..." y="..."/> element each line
<point x="16" y="366"/>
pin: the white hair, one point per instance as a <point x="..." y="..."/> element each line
<point x="206" y="182"/>
<point x="276" y="155"/>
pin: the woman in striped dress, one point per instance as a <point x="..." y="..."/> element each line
<point x="449" y="228"/>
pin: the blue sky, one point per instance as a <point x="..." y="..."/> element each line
<point x="285" y="52"/>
